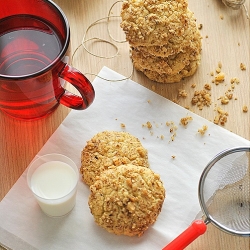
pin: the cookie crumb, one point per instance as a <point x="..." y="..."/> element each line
<point x="173" y="137"/>
<point x="149" y="125"/>
<point x="172" y="126"/>
<point x="224" y="100"/>
<point x="207" y="86"/>
<point x="245" y="109"/>
<point x="242" y="66"/>
<point x="123" y="125"/>
<point x="185" y="120"/>
<point x="218" y="70"/>
<point x="201" y="98"/>
<point x="220" y="77"/>
<point x="182" y="93"/>
<point x="172" y="129"/>
<point x="200" y="26"/>
<point x="221" y="117"/>
<point x="235" y="80"/>
<point x="203" y="130"/>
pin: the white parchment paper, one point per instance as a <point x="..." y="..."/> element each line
<point x="24" y="226"/>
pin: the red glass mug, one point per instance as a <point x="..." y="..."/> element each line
<point x="34" y="39"/>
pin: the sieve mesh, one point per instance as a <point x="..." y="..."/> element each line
<point x="226" y="192"/>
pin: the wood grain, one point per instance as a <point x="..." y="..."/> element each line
<point x="225" y="39"/>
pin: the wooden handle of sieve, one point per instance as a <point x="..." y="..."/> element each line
<point x="196" y="229"/>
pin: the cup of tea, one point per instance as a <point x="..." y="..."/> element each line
<point x="34" y="39"/>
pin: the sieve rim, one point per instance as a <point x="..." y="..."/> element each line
<point x="209" y="218"/>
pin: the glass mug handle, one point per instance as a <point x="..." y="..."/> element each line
<point x="81" y="83"/>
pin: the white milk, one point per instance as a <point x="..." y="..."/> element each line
<point x="54" y="184"/>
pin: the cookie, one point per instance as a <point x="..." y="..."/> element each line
<point x="188" y="70"/>
<point x="126" y="200"/>
<point x="110" y="149"/>
<point x="153" y="22"/>
<point x="191" y="39"/>
<point x="170" y="65"/>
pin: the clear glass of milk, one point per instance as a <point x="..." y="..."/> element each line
<point x="53" y="180"/>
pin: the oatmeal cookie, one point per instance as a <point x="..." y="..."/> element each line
<point x="153" y="22"/>
<point x="170" y="65"/>
<point x="126" y="200"/>
<point x="191" y="39"/>
<point x="165" y="78"/>
<point x="109" y="149"/>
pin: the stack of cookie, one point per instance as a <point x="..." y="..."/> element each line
<point x="126" y="196"/>
<point x="164" y="39"/>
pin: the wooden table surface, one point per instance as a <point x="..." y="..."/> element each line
<point x="225" y="39"/>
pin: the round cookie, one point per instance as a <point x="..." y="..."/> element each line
<point x="109" y="149"/>
<point x="191" y="39"/>
<point x="188" y="70"/>
<point x="172" y="47"/>
<point x="153" y="22"/>
<point x="170" y="65"/>
<point x="126" y="200"/>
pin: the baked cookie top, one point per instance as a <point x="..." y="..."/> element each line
<point x="153" y="22"/>
<point x="191" y="39"/>
<point x="126" y="199"/>
<point x="109" y="149"/>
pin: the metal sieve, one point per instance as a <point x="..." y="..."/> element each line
<point x="224" y="195"/>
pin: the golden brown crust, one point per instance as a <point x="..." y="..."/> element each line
<point x="170" y="65"/>
<point x="127" y="199"/>
<point x="153" y="22"/>
<point x="187" y="71"/>
<point x="109" y="149"/>
<point x="190" y="40"/>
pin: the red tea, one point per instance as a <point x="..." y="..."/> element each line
<point x="34" y="39"/>
<point x="28" y="45"/>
